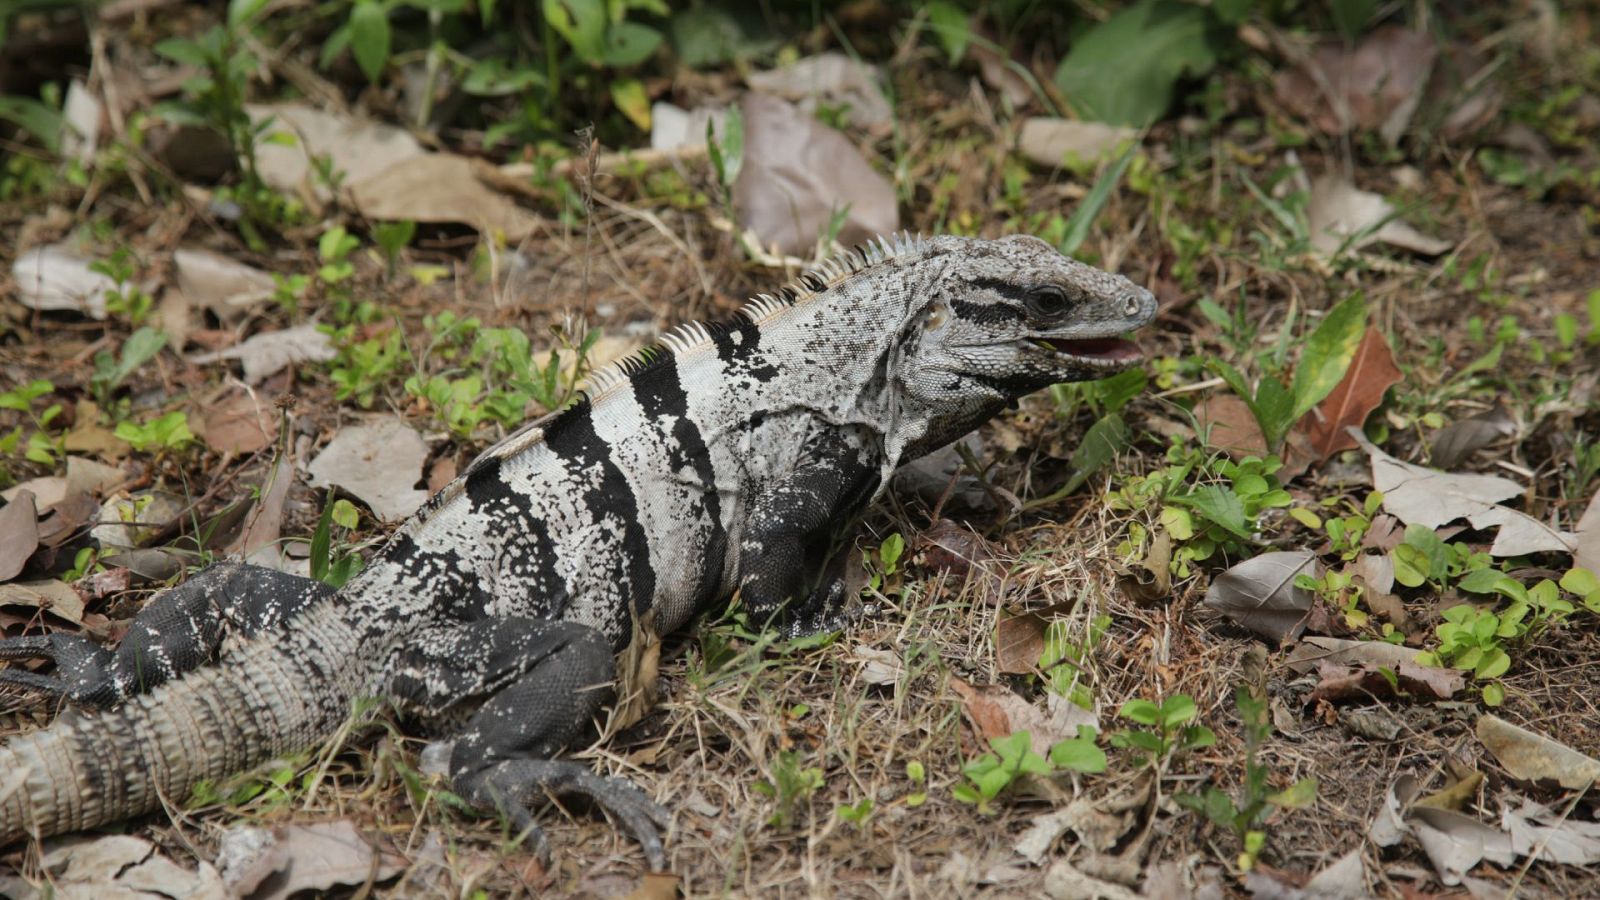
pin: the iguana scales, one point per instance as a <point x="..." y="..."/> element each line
<point x="723" y="459"/>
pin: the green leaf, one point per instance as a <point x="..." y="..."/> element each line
<point x="1100" y="445"/>
<point x="1142" y="711"/>
<point x="630" y="43"/>
<point x="1328" y="353"/>
<point x="1116" y="391"/>
<point x="184" y="52"/>
<point x="369" y="37"/>
<point x="1578" y="581"/>
<point x="38" y="119"/>
<point x="582" y="23"/>
<point x="1274" y="409"/>
<point x="1222" y="507"/>
<point x="345" y="514"/>
<point x="1351" y="16"/>
<point x="240" y="12"/>
<point x="949" y="24"/>
<point x="1088" y="210"/>
<point x="1177" y="709"/>
<point x="1079" y="754"/>
<point x="1493" y="664"/>
<point x="1494" y="694"/>
<point x="630" y="98"/>
<point x="1125" y="69"/>
<point x="1296" y="796"/>
<point x="1492" y="581"/>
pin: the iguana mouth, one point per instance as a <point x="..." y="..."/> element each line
<point x="1100" y="351"/>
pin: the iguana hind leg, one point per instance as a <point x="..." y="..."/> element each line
<point x="546" y="681"/>
<point x="180" y="630"/>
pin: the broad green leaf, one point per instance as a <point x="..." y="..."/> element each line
<point x="1274" y="408"/>
<point x="708" y="35"/>
<point x="949" y="24"/>
<point x="1177" y="709"/>
<point x="1142" y="711"/>
<point x="1100" y="445"/>
<point x="36" y="118"/>
<point x="1222" y="507"/>
<point x="240" y="12"/>
<point x="1494" y="664"/>
<point x="630" y="43"/>
<point x="629" y="96"/>
<point x="1578" y="581"/>
<point x="369" y="37"/>
<point x="1295" y="796"/>
<point x="184" y="52"/>
<point x="1116" y="391"/>
<point x="582" y="23"/>
<point x="1328" y="353"/>
<point x="1079" y="754"/>
<point x="1125" y="69"/>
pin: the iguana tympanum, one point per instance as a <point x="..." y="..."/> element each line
<point x="722" y="460"/>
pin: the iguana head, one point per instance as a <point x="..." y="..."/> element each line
<point x="997" y="320"/>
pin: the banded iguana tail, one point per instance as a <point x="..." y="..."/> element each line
<point x="722" y="460"/>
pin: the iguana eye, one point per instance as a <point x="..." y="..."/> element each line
<point x="1048" y="301"/>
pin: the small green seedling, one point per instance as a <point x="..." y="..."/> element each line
<point x="1166" y="729"/>
<point x="789" y="786"/>
<point x="167" y="432"/>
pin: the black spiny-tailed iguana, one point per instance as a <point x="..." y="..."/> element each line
<point x="722" y="460"/>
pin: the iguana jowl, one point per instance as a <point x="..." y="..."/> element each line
<point x="723" y="459"/>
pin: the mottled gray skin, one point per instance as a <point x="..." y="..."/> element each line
<point x="726" y="459"/>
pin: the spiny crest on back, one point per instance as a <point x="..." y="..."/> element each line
<point x="690" y="337"/>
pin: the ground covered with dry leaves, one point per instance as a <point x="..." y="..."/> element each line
<point x="1254" y="653"/>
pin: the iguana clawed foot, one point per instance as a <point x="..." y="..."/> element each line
<point x="80" y="669"/>
<point x="511" y="785"/>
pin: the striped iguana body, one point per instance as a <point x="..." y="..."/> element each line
<point x="724" y="459"/>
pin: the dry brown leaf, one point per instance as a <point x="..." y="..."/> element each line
<point x="273" y="865"/>
<point x="269" y="353"/>
<point x="238" y="423"/>
<point x="358" y="149"/>
<point x="123" y="867"/>
<point x="1538" y="832"/>
<point x="441" y="473"/>
<point x="378" y="463"/>
<point x="1260" y="593"/>
<point x="1372" y="372"/>
<point x="1312" y="651"/>
<point x="832" y="78"/>
<point x="1533" y="757"/>
<point x="89" y="436"/>
<point x="258" y="542"/>
<point x="798" y="174"/>
<point x="1341" y="682"/>
<point x="1225" y="422"/>
<point x="19" y="534"/>
<point x="440" y="187"/>
<point x="225" y="286"/>
<point x="1019" y="639"/>
<point x="997" y="711"/>
<point x="55" y="597"/>
<point x="1428" y="497"/>
<point x="655" y="886"/>
<point x="1459" y="440"/>
<point x="56" y="277"/>
<point x="1375" y="85"/>
<point x="1053" y="142"/>
<point x="1342" y="217"/>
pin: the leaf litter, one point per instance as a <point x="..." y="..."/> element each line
<point x="378" y="462"/>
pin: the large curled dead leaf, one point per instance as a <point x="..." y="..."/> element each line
<point x="123" y="867"/>
<point x="19" y="534"/>
<point x="1533" y="757"/>
<point x="56" y="277"/>
<point x="269" y="353"/>
<point x="1260" y="593"/>
<point x="1372" y="372"/>
<point x="832" y="78"/>
<point x="225" y="286"/>
<point x="1311" y="652"/>
<point x="49" y="595"/>
<point x="377" y="462"/>
<point x="440" y="187"/>
<point x="1363" y="682"/>
<point x="1421" y="496"/>
<point x="274" y="865"/>
<point x="1375" y="85"/>
<point x="357" y="149"/>
<point x="1459" y="440"/>
<point x="1345" y="218"/>
<point x="798" y="174"/>
<point x="1056" y="142"/>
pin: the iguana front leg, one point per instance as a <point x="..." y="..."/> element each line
<point x="547" y="680"/>
<point x="180" y="630"/>
<point x="789" y="568"/>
